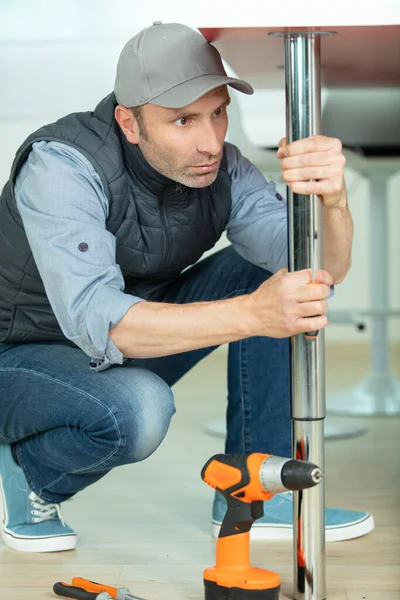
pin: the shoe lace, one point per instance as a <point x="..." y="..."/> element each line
<point x="42" y="510"/>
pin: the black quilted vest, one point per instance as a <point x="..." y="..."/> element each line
<point x="160" y="227"/>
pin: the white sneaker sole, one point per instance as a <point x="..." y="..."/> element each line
<point x="282" y="532"/>
<point x="58" y="543"/>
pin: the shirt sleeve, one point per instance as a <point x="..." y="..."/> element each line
<point x="257" y="227"/>
<point x="64" y="209"/>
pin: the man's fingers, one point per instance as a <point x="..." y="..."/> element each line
<point x="282" y="142"/>
<point x="307" y="173"/>
<point x="311" y="309"/>
<point x="304" y="277"/>
<point x="313" y="293"/>
<point x="312" y="323"/>
<point x="313" y="159"/>
<point x="322" y="276"/>
<point x="316" y="143"/>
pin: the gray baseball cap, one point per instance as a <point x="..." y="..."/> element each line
<point x="170" y="65"/>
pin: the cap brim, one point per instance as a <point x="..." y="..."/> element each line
<point x="189" y="91"/>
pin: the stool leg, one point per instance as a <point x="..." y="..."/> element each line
<point x="379" y="393"/>
<point x="379" y="284"/>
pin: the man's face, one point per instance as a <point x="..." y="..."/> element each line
<point x="186" y="144"/>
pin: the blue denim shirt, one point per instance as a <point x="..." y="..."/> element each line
<point x="63" y="207"/>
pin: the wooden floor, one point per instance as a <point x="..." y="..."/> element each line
<point x="147" y="526"/>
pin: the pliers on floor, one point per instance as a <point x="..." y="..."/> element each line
<point x="84" y="589"/>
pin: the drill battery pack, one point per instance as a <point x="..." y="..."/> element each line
<point x="213" y="591"/>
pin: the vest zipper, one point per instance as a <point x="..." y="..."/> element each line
<point x="167" y="230"/>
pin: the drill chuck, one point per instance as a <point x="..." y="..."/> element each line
<point x="279" y="474"/>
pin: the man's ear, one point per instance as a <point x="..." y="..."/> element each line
<point x="127" y="123"/>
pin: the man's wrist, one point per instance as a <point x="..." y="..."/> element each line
<point x="249" y="325"/>
<point x="343" y="204"/>
<point x="340" y="205"/>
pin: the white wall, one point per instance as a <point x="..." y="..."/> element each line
<point x="59" y="57"/>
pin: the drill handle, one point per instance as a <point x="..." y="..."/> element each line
<point x="240" y="516"/>
<point x="230" y="475"/>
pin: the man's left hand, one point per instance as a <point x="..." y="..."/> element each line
<point x="315" y="165"/>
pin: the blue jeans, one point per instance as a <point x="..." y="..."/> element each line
<point x="72" y="425"/>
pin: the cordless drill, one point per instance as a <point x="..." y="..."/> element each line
<point x="246" y="481"/>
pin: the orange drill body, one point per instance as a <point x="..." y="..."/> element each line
<point x="246" y="481"/>
<point x="233" y="569"/>
<point x="237" y="478"/>
<point x="224" y="477"/>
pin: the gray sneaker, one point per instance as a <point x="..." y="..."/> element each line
<point x="29" y="524"/>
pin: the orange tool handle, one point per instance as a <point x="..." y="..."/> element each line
<point x="93" y="586"/>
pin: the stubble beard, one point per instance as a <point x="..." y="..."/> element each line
<point x="164" y="164"/>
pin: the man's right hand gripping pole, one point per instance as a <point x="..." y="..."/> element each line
<point x="246" y="481"/>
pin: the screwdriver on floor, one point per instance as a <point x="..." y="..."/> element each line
<point x="84" y="589"/>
